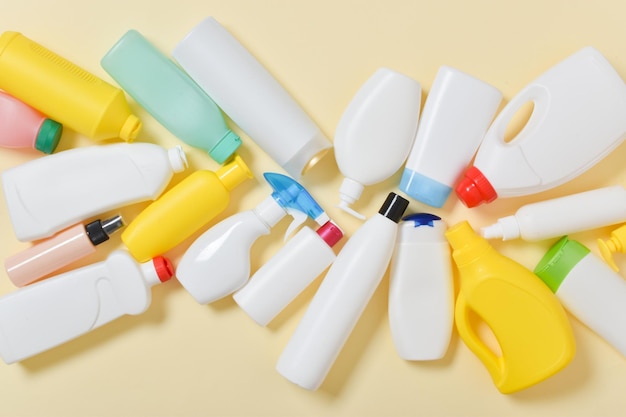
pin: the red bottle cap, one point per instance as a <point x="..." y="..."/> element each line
<point x="163" y="268"/>
<point x="330" y="233"/>
<point x="475" y="189"/>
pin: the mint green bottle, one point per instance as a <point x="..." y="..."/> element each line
<point x="169" y="95"/>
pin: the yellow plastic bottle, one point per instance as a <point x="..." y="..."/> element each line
<point x="183" y="210"/>
<point x="529" y="323"/>
<point x="63" y="91"/>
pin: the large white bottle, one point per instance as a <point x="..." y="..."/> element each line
<point x="588" y="288"/>
<point x="51" y="193"/>
<point x="48" y="313"/>
<point x="375" y="133"/>
<point x="561" y="216"/>
<point x="577" y="119"/>
<point x="342" y="297"/>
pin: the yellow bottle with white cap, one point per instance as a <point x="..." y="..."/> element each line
<point x="616" y="243"/>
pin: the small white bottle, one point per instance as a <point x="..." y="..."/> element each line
<point x="561" y="216"/>
<point x="421" y="289"/>
<point x="375" y="133"/>
<point x="342" y="297"/>
<point x="48" y="313"/>
<point x="48" y="194"/>
<point x="251" y="97"/>
<point x="456" y="116"/>
<point x="588" y="288"/>
<point x="303" y="258"/>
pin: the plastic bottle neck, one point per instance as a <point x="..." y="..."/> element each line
<point x="467" y="246"/>
<point x="233" y="173"/>
<point x="270" y="212"/>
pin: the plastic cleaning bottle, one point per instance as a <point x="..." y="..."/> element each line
<point x="529" y="323"/>
<point x="456" y="116"/>
<point x="421" y="289"/>
<point x="48" y="313"/>
<point x="55" y="252"/>
<point x="577" y="119"/>
<point x="218" y="262"/>
<point x="296" y="265"/>
<point x="561" y="216"/>
<point x="183" y="210"/>
<point x="62" y="90"/>
<point x="375" y="133"/>
<point x="616" y="243"/>
<point x="21" y="126"/>
<point x="251" y="97"/>
<point x="48" y="194"/>
<point x="587" y="288"/>
<point x="341" y="298"/>
<point x="169" y="95"/>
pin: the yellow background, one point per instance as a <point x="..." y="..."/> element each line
<point x="181" y="358"/>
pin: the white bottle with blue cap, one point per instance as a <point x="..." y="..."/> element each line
<point x="421" y="289"/>
<point x="218" y="262"/>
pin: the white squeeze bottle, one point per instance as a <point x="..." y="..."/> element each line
<point x="375" y="133"/>
<point x="48" y="313"/>
<point x="588" y="288"/>
<point x="456" y="116"/>
<point x="303" y="258"/>
<point x="251" y="97"/>
<point x="579" y="116"/>
<point x="342" y="297"/>
<point x="51" y="193"/>
<point x="218" y="262"/>
<point x="561" y="216"/>
<point x="421" y="289"/>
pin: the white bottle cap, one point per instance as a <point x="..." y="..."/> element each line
<point x="349" y="192"/>
<point x="178" y="159"/>
<point x="507" y="228"/>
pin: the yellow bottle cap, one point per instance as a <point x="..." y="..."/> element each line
<point x="131" y="128"/>
<point x="614" y="244"/>
<point x="234" y="173"/>
<point x="466" y="244"/>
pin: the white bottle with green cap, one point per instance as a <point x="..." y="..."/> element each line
<point x="588" y="288"/>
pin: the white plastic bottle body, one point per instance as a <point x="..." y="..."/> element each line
<point x="251" y="96"/>
<point x="48" y="313"/>
<point x="303" y="258"/>
<point x="338" y="303"/>
<point x="48" y="194"/>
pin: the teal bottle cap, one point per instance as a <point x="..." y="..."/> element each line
<point x="424" y="189"/>
<point x="48" y="136"/>
<point x="560" y="259"/>
<point x="225" y="147"/>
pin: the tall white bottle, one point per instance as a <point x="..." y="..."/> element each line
<point x="421" y="289"/>
<point x="342" y="297"/>
<point x="375" y="133"/>
<point x="51" y="193"/>
<point x="561" y="216"/>
<point x="588" y="288"/>
<point x="251" y="97"/>
<point x="48" y="313"/>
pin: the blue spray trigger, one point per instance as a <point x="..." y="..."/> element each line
<point x="421" y="219"/>
<point x="289" y="194"/>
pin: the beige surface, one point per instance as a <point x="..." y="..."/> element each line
<point x="181" y="358"/>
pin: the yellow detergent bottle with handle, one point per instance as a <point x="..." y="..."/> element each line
<point x="183" y="210"/>
<point x="528" y="321"/>
<point x="63" y="91"/>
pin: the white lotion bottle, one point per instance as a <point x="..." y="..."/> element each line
<point x="251" y="97"/>
<point x="577" y="119"/>
<point x="296" y="265"/>
<point x="342" y="297"/>
<point x="457" y="113"/>
<point x="588" y="288"/>
<point x="48" y="313"/>
<point x="375" y="133"/>
<point x="561" y="216"/>
<point x="421" y="289"/>
<point x="51" y="193"/>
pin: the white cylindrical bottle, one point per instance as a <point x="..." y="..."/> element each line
<point x="421" y="289"/>
<point x="341" y="298"/>
<point x="48" y="194"/>
<point x="588" y="288"/>
<point x="251" y="97"/>
<point x="288" y="272"/>
<point x="375" y="133"/>
<point x="456" y="116"/>
<point x="561" y="216"/>
<point x="46" y="314"/>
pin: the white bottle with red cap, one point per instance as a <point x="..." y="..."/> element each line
<point x="46" y="314"/>
<point x="288" y="272"/>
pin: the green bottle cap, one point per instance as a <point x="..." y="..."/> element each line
<point x="225" y="147"/>
<point x="560" y="259"/>
<point x="48" y="136"/>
